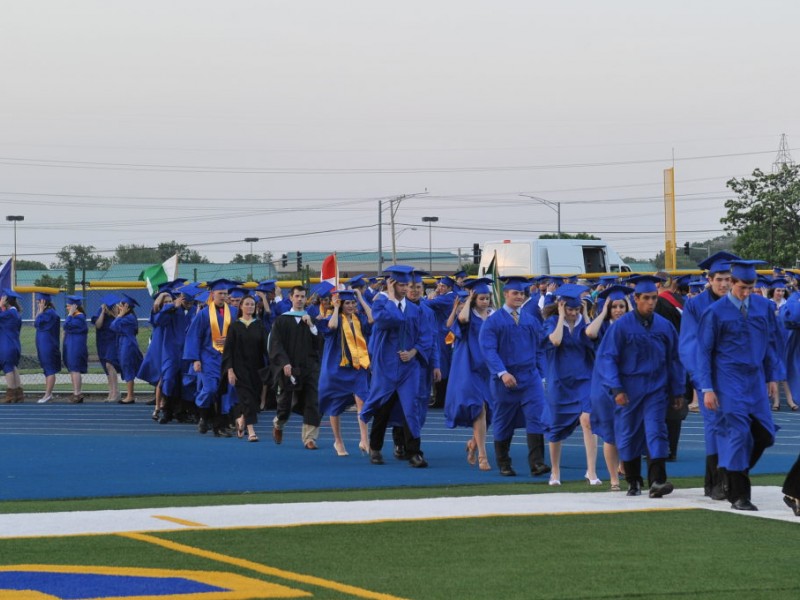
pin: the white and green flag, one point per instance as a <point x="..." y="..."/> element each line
<point x="157" y="274"/>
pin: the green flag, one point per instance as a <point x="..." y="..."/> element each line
<point x="157" y="274"/>
<point x="491" y="271"/>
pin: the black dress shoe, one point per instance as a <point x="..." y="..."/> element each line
<point x="399" y="453"/>
<point x="658" y="490"/>
<point x="202" y="425"/>
<point x="164" y="417"/>
<point x="718" y="492"/>
<point x="540" y="469"/>
<point x="375" y="457"/>
<point x="222" y="432"/>
<point x="635" y="489"/>
<point x="743" y="504"/>
<point x="507" y="471"/>
<point x="793" y="504"/>
<point x="418" y="461"/>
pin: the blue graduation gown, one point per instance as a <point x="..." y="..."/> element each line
<point x="602" y="399"/>
<point x="693" y="310"/>
<point x="198" y="347"/>
<point x="130" y="357"/>
<point x="791" y="354"/>
<point x="518" y="349"/>
<point x="393" y="331"/>
<point x="644" y="363"/>
<point x="433" y="361"/>
<point x="10" y="347"/>
<point x="468" y="388"/>
<point x="173" y="323"/>
<point x="568" y="377"/>
<point x="106" y="341"/>
<point x="736" y="357"/>
<point x="150" y="368"/>
<point x="337" y="384"/>
<point x="74" y="351"/>
<point x="48" y="338"/>
<point x="442" y="306"/>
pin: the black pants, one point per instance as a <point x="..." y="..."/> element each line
<point x="791" y="486"/>
<point x="304" y="401"/>
<point x="380" y="421"/>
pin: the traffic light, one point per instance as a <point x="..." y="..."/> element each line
<point x="284" y="260"/>
<point x="476" y="254"/>
<point x="686" y="249"/>
<point x="299" y="261"/>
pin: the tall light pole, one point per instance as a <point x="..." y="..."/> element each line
<point x="430" y="221"/>
<point x="14" y="219"/>
<point x="555" y="206"/>
<point x="251" y="240"/>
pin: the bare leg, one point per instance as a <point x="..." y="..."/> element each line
<point x="113" y="384"/>
<point x="789" y="399"/>
<point x="129" y="396"/>
<point x="611" y="455"/>
<point x="590" y="442"/>
<point x="363" y="444"/>
<point x="77" y="382"/>
<point x="555" y="462"/>
<point x="338" y="443"/>
<point x="479" y="435"/>
<point x="49" y="385"/>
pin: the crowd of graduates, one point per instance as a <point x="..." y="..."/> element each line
<point x="623" y="360"/>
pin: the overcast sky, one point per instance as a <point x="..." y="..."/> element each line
<point x="208" y="122"/>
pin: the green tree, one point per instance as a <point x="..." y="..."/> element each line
<point x="185" y="254"/>
<point x="765" y="216"/>
<point x="128" y="254"/>
<point x="29" y="265"/>
<point x="247" y="259"/>
<point x="697" y="252"/>
<point x="568" y="236"/>
<point x="81" y="257"/>
<point x="50" y="281"/>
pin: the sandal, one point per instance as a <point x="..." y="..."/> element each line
<point x="615" y="487"/>
<point x="471" y="449"/>
<point x="483" y="464"/>
<point x="252" y="437"/>
<point x="794" y="407"/>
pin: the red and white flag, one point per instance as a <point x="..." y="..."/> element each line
<point x="330" y="271"/>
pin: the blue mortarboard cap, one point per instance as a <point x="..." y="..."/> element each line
<point x="460" y="274"/>
<point x="448" y="281"/>
<point x="347" y="295"/>
<point x="515" y="282"/>
<point x="571" y="279"/>
<point x="323" y="289"/>
<point x="607" y="279"/>
<point x="745" y="270"/>
<point x="717" y="263"/>
<point x="400" y="273"/>
<point x="74" y="299"/>
<point x="238" y="292"/>
<point x="202" y="297"/>
<point x="697" y="286"/>
<point x="190" y="290"/>
<point x="762" y="281"/>
<point x="110" y="299"/>
<point x="10" y="293"/>
<point x="482" y="285"/>
<point x="357" y="281"/>
<point x="777" y="271"/>
<point x="778" y="282"/>
<point x="418" y="276"/>
<point x="790" y="313"/>
<point x="220" y="284"/>
<point x="372" y="280"/>
<point x="645" y="284"/>
<point x="571" y="294"/>
<point x="462" y="294"/>
<point x="43" y="296"/>
<point x="164" y="287"/>
<point x="128" y="300"/>
<point x="682" y="280"/>
<point x="615" y="292"/>
<point x="268" y="285"/>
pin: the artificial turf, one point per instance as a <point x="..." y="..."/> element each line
<point x="675" y="554"/>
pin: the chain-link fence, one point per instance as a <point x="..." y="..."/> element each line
<point x="95" y="380"/>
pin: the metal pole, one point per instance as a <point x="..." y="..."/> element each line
<point x="394" y="240"/>
<point x="380" y="237"/>
<point x="558" y="204"/>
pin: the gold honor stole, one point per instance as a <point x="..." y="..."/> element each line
<point x="356" y="344"/>
<point x="217" y="336"/>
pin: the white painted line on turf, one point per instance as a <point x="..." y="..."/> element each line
<point x="769" y="499"/>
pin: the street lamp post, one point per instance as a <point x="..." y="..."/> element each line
<point x="14" y="219"/>
<point x="555" y="206"/>
<point x="251" y="240"/>
<point x="430" y="221"/>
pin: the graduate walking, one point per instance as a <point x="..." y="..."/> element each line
<point x="48" y="337"/>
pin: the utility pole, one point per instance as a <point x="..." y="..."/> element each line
<point x="784" y="158"/>
<point x="394" y="206"/>
<point x="380" y="237"/>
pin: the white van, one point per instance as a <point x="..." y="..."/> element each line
<point x="542" y="257"/>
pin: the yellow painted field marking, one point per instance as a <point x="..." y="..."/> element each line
<point x="259" y="568"/>
<point x="179" y="521"/>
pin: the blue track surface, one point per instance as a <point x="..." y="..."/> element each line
<point x="96" y="450"/>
